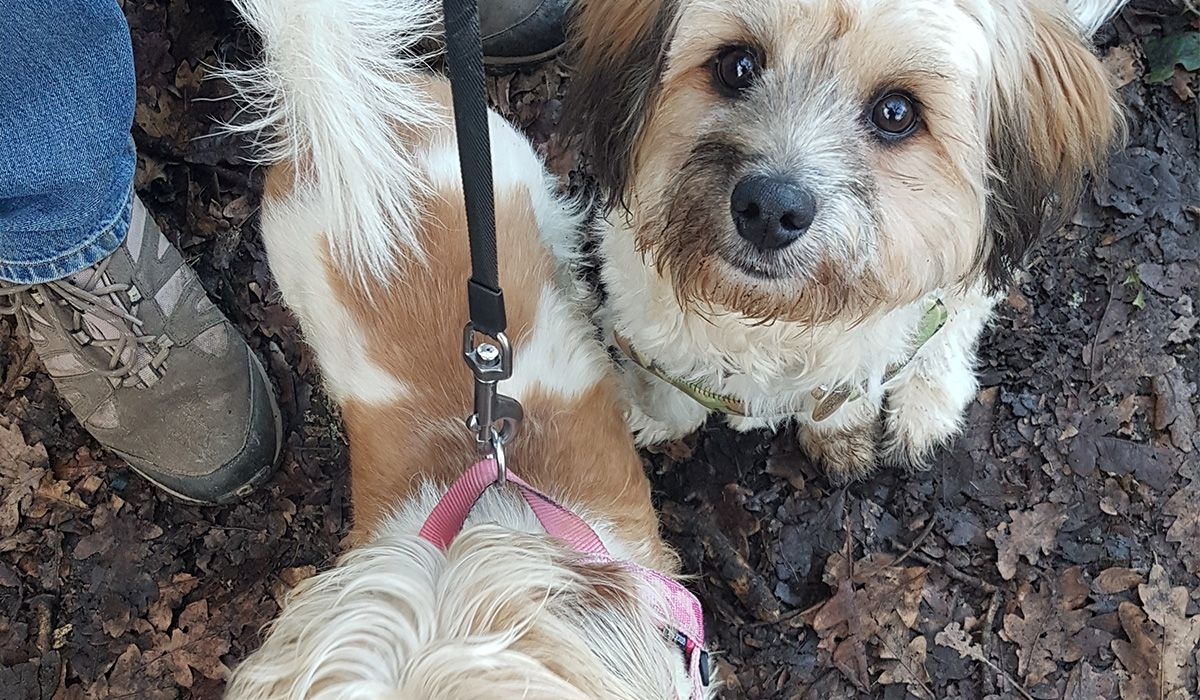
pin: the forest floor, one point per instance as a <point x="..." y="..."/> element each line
<point x="1052" y="552"/>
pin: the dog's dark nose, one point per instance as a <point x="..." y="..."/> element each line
<point x="772" y="212"/>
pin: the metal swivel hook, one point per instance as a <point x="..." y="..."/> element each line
<point x="496" y="416"/>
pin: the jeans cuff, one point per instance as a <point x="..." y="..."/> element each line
<point x="102" y="243"/>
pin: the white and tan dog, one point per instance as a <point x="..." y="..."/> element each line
<point x="815" y="204"/>
<point x="364" y="226"/>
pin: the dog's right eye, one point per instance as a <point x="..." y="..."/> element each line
<point x="735" y="69"/>
<point x="895" y="116"/>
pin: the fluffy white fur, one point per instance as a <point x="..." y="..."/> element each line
<point x="333" y="104"/>
<point x="776" y="367"/>
<point x="395" y="618"/>
<point x="398" y="619"/>
<point x="1091" y="14"/>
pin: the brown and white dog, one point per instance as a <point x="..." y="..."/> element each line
<point x="813" y="205"/>
<point x="364" y="226"/>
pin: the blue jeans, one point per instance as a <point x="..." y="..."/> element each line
<point x="67" y="95"/>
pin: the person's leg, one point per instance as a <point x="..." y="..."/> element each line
<point x="145" y="361"/>
<point x="520" y="32"/>
<point x="66" y="158"/>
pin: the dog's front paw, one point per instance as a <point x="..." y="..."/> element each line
<point x="848" y="454"/>
<point x="914" y="430"/>
<point x="657" y="412"/>
<point x="650" y="431"/>
<point x="924" y="410"/>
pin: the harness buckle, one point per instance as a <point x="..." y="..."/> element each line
<point x="695" y="657"/>
<point x="496" y="416"/>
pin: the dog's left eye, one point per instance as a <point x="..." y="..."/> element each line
<point x="894" y="115"/>
<point x="736" y="68"/>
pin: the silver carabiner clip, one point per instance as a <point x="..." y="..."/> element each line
<point x="496" y="416"/>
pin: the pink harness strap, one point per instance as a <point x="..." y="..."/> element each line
<point x="448" y="517"/>
<point x="679" y="605"/>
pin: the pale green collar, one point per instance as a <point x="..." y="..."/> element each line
<point x="828" y="400"/>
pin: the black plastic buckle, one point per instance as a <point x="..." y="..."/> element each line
<point x="688" y="647"/>
<point x="486" y="306"/>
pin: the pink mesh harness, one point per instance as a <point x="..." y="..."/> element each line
<point x="677" y="604"/>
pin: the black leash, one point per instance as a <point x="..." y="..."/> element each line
<point x="496" y="416"/>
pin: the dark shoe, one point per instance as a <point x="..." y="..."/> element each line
<point x="520" y="33"/>
<point x="153" y="370"/>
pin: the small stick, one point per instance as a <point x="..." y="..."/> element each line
<point x="952" y="572"/>
<point x="989" y="619"/>
<point x="900" y="559"/>
<point x="741" y="578"/>
<point x="988" y="641"/>
<point x="917" y="542"/>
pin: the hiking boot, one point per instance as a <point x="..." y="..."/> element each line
<point x="519" y="33"/>
<point x="153" y="370"/>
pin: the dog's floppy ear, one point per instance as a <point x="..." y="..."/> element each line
<point x="618" y="51"/>
<point x="1053" y="120"/>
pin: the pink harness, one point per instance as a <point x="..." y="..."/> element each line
<point x="678" y="605"/>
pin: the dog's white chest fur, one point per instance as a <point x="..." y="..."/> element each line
<point x="782" y="370"/>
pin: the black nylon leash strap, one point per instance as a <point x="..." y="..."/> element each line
<point x="496" y="416"/>
<point x="464" y="60"/>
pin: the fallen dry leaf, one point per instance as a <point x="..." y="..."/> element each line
<point x="170" y="595"/>
<point x="1115" y="500"/>
<point x="132" y="677"/>
<point x="838" y="624"/>
<point x="192" y="646"/>
<point x="1185" y="530"/>
<point x="1173" y="393"/>
<point x="292" y="577"/>
<point x="158" y="115"/>
<point x="1139" y="656"/>
<point x="903" y="660"/>
<point x="1044" y="631"/>
<point x="1181" y="84"/>
<point x="1030" y="534"/>
<point x="1086" y="683"/>
<point x="874" y="608"/>
<point x="21" y="469"/>
<point x="956" y="638"/>
<point x="101" y="540"/>
<point x="1073" y="592"/>
<point x="287" y="580"/>
<point x="1167" y="607"/>
<point x="52" y="493"/>
<point x="1121" y="62"/>
<point x="1162" y="641"/>
<point x="1115" y="580"/>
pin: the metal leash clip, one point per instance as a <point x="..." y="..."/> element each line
<point x="496" y="416"/>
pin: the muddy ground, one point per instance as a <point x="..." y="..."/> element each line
<point x="1053" y="552"/>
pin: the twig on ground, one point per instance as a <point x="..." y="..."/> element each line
<point x="743" y="580"/>
<point x="1001" y="673"/>
<point x="915" y="543"/>
<point x="988" y="642"/>
<point x="950" y="571"/>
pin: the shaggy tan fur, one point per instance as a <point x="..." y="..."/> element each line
<point x="1014" y="111"/>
